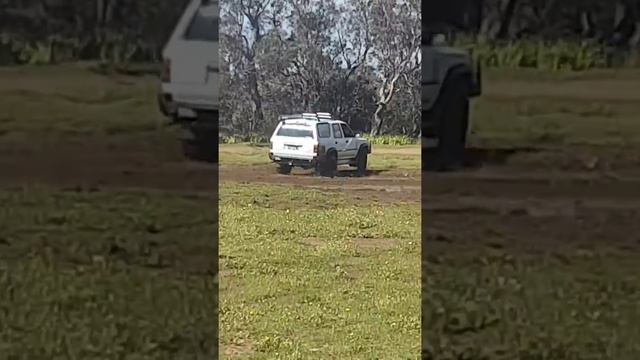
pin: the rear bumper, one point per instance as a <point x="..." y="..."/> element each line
<point x="204" y="121"/>
<point x="172" y="97"/>
<point x="304" y="163"/>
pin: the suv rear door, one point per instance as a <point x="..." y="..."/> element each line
<point x="325" y="140"/>
<point x="294" y="140"/>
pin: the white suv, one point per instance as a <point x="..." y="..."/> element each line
<point x="189" y="89"/>
<point x="316" y="141"/>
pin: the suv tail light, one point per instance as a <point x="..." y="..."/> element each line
<point x="165" y="75"/>
<point x="315" y="148"/>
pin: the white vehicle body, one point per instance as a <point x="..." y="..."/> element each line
<point x="308" y="140"/>
<point x="190" y="74"/>
<point x="190" y="79"/>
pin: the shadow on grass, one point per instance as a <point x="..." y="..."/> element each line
<point x="343" y="173"/>
<point x="475" y="157"/>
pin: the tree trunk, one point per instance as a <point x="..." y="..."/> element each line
<point x="258" y="115"/>
<point x="376" y="129"/>
<point x="507" y="17"/>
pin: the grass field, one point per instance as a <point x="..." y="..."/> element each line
<point x="111" y="273"/>
<point x="74" y="100"/>
<point x="306" y="274"/>
<point x="534" y="256"/>
<point x="534" y="108"/>
<point x="106" y="275"/>
<point x="131" y="273"/>
<point x="95" y="271"/>
<point x="579" y="303"/>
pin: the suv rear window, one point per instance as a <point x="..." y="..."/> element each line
<point x="324" y="130"/>
<point x="294" y="132"/>
<point x="204" y="26"/>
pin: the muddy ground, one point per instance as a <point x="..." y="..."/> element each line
<point x="96" y="163"/>
<point x="530" y="200"/>
<point x="537" y="201"/>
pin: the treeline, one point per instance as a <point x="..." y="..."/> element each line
<point x="359" y="60"/>
<point x="51" y="31"/>
<point x="606" y="21"/>
<point x="548" y="34"/>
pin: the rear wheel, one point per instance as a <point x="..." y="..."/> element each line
<point x="452" y="117"/>
<point x="361" y="162"/>
<point x="200" y="143"/>
<point x="284" y="169"/>
<point x="329" y="166"/>
<point x="200" y="149"/>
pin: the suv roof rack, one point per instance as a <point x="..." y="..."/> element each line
<point x="307" y="116"/>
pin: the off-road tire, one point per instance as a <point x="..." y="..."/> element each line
<point x="201" y="147"/>
<point x="284" y="169"/>
<point x="452" y="111"/>
<point x="329" y="166"/>
<point x="361" y="162"/>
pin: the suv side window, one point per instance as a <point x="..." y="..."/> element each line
<point x="347" y="131"/>
<point x="337" y="132"/>
<point x="324" y="131"/>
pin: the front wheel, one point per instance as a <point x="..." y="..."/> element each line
<point x="361" y="163"/>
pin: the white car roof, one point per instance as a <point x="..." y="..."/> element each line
<point x="312" y="121"/>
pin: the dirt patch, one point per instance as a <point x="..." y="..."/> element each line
<point x="535" y="211"/>
<point x="313" y="242"/>
<point x="240" y="348"/>
<point x="369" y="245"/>
<point x="102" y="162"/>
<point x="152" y="162"/>
<point x="392" y="185"/>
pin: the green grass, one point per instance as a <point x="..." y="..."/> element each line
<point x="575" y="304"/>
<point x="384" y="157"/>
<point x="106" y="275"/>
<point x="581" y="109"/>
<point x="306" y="274"/>
<point x="489" y="298"/>
<point x="551" y="56"/>
<point x="72" y="99"/>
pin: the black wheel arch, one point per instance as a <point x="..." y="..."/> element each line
<point x="430" y="119"/>
<point x="461" y="71"/>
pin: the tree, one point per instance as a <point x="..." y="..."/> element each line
<point x="396" y="53"/>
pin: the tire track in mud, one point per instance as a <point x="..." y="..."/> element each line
<point x="567" y="185"/>
<point x="393" y="185"/>
<point x="530" y="210"/>
<point x="100" y="163"/>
